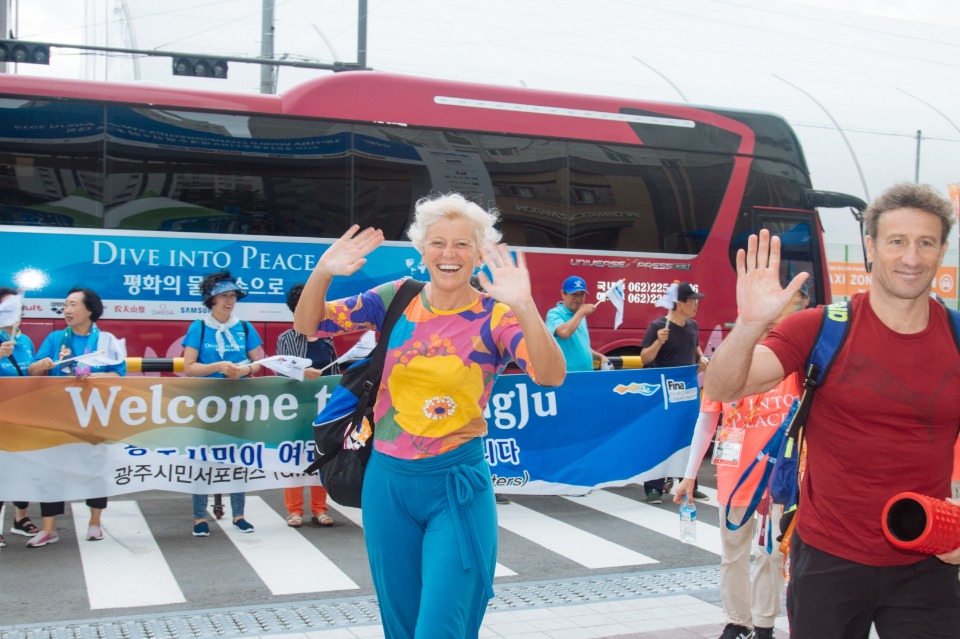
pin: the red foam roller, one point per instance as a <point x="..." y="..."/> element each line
<point x="924" y="524"/>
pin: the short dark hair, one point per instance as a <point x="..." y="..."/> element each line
<point x="6" y="291"/>
<point x="91" y="300"/>
<point x="908" y="195"/>
<point x="208" y="282"/>
<point x="293" y="296"/>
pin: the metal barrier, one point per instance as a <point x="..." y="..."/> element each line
<point x="154" y="364"/>
<point x="175" y="364"/>
<point x="625" y="361"/>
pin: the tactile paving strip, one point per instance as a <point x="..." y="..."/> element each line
<point x="337" y="613"/>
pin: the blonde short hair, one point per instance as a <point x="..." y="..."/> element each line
<point x="429" y="210"/>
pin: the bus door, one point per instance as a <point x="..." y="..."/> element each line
<point x="801" y="248"/>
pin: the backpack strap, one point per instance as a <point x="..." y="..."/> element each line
<point x="834" y="327"/>
<point x="407" y="291"/>
<point x="955" y="325"/>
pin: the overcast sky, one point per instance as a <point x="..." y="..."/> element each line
<point x="880" y="70"/>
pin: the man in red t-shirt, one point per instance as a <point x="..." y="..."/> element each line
<point x="885" y="421"/>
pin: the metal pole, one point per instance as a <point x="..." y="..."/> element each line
<point x="362" y="34"/>
<point x="916" y="172"/>
<point x="4" y="27"/>
<point x="268" y="73"/>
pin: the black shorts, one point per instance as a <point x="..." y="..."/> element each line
<point x="54" y="508"/>
<point x="833" y="598"/>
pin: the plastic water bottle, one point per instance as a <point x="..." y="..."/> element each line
<point x="688" y="522"/>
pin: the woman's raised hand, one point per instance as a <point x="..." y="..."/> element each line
<point x="348" y="254"/>
<point x="511" y="280"/>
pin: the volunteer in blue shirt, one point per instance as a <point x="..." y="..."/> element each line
<point x="567" y="322"/>
<point x="16" y="353"/>
<point x="81" y="310"/>
<point x="221" y="345"/>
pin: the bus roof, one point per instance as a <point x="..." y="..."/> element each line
<point x="372" y="96"/>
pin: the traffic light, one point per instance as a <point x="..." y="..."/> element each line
<point x="200" y="67"/>
<point x="26" y="52"/>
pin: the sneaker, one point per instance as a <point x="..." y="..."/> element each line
<point x="502" y="499"/>
<point x="762" y="633"/>
<point x="735" y="631"/>
<point x="201" y="529"/>
<point x="654" y="497"/>
<point x="94" y="533"/>
<point x="3" y="542"/>
<point x="42" y="539"/>
<point x="24" y="527"/>
<point x="243" y="525"/>
<point x="700" y="495"/>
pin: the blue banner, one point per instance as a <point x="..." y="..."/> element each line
<point x="606" y="428"/>
<point x="156" y="275"/>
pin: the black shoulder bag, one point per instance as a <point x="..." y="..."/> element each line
<point x="344" y="427"/>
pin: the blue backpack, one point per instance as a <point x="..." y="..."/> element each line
<point x="782" y="454"/>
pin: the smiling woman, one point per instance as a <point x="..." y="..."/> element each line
<point x="427" y="470"/>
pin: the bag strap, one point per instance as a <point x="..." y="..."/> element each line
<point x="955" y="326"/>
<point x="407" y="291"/>
<point x="16" y="365"/>
<point x="769" y="453"/>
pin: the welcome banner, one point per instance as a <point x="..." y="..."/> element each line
<point x="68" y="438"/>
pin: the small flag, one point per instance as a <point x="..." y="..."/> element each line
<point x="360" y="350"/>
<point x="11" y="310"/>
<point x="615" y="295"/>
<point x="286" y="365"/>
<point x="110" y="352"/>
<point x="669" y="299"/>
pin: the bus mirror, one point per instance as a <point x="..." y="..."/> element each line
<point x="833" y="200"/>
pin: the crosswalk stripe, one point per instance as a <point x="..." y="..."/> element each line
<point x="585" y="548"/>
<point x="355" y="516"/>
<point x="126" y="568"/>
<point x="665" y="522"/>
<point x="283" y="558"/>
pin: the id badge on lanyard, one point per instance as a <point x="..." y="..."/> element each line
<point x="729" y="444"/>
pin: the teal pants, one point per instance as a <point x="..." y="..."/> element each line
<point x="431" y="533"/>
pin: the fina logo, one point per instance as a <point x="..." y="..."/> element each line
<point x="637" y="389"/>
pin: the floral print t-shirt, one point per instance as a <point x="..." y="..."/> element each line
<point x="439" y="370"/>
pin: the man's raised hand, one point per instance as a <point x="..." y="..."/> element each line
<point x="760" y="298"/>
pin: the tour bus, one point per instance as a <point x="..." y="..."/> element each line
<point x="137" y="191"/>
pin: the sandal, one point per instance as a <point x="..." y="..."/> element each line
<point x="322" y="519"/>
<point x="294" y="520"/>
<point x="24" y="527"/>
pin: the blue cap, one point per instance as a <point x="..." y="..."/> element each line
<point x="574" y="284"/>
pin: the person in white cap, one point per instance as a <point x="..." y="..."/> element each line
<point x="567" y="322"/>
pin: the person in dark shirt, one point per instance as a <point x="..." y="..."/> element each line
<point x="673" y="341"/>
<point x="321" y="353"/>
